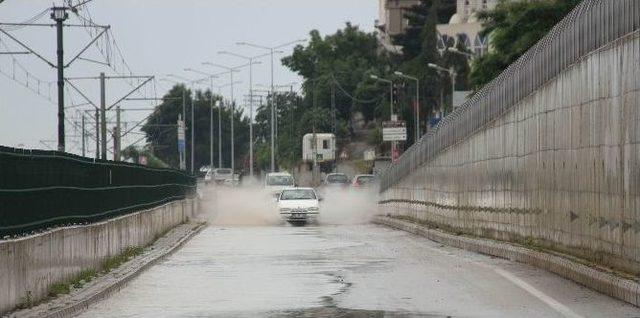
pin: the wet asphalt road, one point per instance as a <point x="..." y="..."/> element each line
<point x="344" y="271"/>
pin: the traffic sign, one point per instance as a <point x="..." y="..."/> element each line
<point x="394" y="131"/>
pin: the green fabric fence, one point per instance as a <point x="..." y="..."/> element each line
<point x="41" y="189"/>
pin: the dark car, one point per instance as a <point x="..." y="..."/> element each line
<point x="336" y="180"/>
<point x="364" y="181"/>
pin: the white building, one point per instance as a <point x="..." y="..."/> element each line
<point x="464" y="27"/>
<point x="324" y="147"/>
<point x="391" y="21"/>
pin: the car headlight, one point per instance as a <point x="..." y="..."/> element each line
<point x="314" y="209"/>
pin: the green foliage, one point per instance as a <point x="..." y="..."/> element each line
<point x="161" y="130"/>
<point x="417" y="17"/>
<point x="513" y="27"/>
<point x="338" y="62"/>
<point x="133" y="153"/>
<point x="114" y="262"/>
<point x="59" y="289"/>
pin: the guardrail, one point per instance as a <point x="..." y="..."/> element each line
<point x="41" y="189"/>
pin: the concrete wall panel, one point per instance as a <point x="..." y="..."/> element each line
<point x="32" y="264"/>
<point x="560" y="168"/>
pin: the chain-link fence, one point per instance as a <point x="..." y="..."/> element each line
<point x="40" y="189"/>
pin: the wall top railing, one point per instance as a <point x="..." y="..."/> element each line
<point x="590" y="25"/>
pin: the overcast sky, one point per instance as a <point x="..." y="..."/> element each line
<point x="157" y="37"/>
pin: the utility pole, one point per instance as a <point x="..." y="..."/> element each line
<point x="333" y="117"/>
<point x="233" y="163"/>
<point x="115" y="143"/>
<point x="97" y="134"/>
<point x="211" y="128"/>
<point x="193" y="140"/>
<point x="103" y="117"/>
<point x="220" y="134"/>
<point x="117" y="136"/>
<point x="83" y="137"/>
<point x="59" y="14"/>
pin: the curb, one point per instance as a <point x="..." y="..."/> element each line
<point x="607" y="283"/>
<point x="75" y="307"/>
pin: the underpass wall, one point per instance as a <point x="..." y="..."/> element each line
<point x="30" y="265"/>
<point x="557" y="167"/>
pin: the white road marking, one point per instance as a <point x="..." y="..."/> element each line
<point x="564" y="310"/>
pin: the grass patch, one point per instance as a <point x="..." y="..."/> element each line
<point x="59" y="289"/>
<point x="114" y="262"/>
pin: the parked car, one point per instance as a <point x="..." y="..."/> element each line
<point x="299" y="206"/>
<point x="364" y="181"/>
<point x="275" y="182"/>
<point x="336" y="180"/>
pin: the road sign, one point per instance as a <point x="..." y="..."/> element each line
<point x="394" y="131"/>
<point x="182" y="144"/>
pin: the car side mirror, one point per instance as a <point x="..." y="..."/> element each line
<point x="320" y="199"/>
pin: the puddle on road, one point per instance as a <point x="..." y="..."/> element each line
<point x="349" y="313"/>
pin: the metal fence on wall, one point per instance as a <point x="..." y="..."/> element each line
<point x="591" y="25"/>
<point x="40" y="189"/>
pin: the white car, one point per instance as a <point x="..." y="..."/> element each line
<point x="219" y="175"/>
<point x="299" y="205"/>
<point x="275" y="182"/>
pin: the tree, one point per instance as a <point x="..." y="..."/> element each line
<point x="161" y="130"/>
<point x="338" y="63"/>
<point x="417" y="16"/>
<point x="133" y="153"/>
<point x="513" y="28"/>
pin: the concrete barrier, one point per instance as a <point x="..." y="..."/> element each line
<point x="595" y="278"/>
<point x="559" y="166"/>
<point x="30" y="265"/>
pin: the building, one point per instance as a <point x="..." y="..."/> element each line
<point x="464" y="27"/>
<point x="391" y="21"/>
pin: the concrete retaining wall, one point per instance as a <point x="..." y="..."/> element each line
<point x="561" y="168"/>
<point x="32" y="264"/>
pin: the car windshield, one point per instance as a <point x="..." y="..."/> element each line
<point x="298" y="194"/>
<point x="366" y="179"/>
<point x="337" y="178"/>
<point x="280" y="180"/>
<point x="223" y="171"/>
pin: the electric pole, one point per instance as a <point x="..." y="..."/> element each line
<point x="83" y="137"/>
<point x="103" y="117"/>
<point x="59" y="14"/>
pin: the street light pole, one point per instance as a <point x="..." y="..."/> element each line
<point x="452" y="75"/>
<point x="59" y="15"/>
<point x="375" y="77"/>
<point x="417" y="130"/>
<point x="271" y="50"/>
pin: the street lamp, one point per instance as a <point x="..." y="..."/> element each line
<point x="230" y="70"/>
<point x="467" y="54"/>
<point x="271" y="50"/>
<point x="220" y="104"/>
<point x="193" y="125"/>
<point x="211" y="77"/>
<point x="375" y="77"/>
<point x="400" y="74"/>
<point x="452" y="75"/>
<point x="250" y="59"/>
